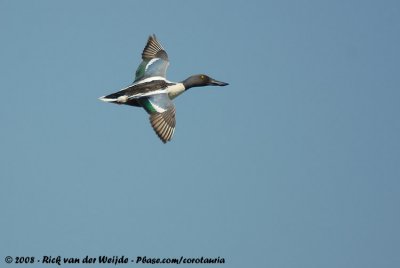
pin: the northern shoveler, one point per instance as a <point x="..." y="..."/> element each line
<point x="152" y="91"/>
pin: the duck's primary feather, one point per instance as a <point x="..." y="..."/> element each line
<point x="164" y="124"/>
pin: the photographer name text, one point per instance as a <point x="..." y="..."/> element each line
<point x="115" y="260"/>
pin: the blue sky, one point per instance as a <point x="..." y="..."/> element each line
<point x="294" y="164"/>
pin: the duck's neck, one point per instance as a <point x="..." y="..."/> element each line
<point x="190" y="82"/>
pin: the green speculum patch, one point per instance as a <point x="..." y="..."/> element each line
<point x="140" y="71"/>
<point x="147" y="105"/>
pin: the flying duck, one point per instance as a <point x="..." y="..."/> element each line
<point x="152" y="91"/>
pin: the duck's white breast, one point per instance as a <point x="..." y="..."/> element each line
<point x="175" y="90"/>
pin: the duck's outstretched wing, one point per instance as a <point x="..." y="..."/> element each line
<point x="155" y="60"/>
<point x="162" y="115"/>
<point x="164" y="124"/>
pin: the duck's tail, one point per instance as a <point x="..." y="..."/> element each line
<point x="119" y="98"/>
<point x="114" y="97"/>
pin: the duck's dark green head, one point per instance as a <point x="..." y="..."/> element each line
<point x="201" y="80"/>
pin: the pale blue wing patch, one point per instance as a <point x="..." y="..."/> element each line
<point x="160" y="102"/>
<point x="154" y="67"/>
